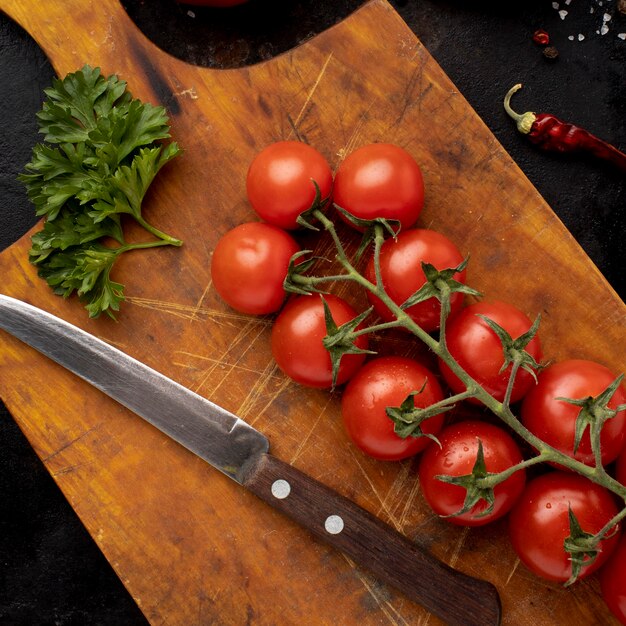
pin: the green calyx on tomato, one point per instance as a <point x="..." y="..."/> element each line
<point x="547" y="414"/>
<point x="514" y="350"/>
<point x="582" y="546"/>
<point x="297" y="341"/>
<point x="473" y="485"/>
<point x="382" y="382"/>
<point x="539" y="525"/>
<point x="474" y="477"/>
<point x="594" y="412"/>
<point x="440" y="284"/>
<point x="408" y="417"/>
<point x="341" y="340"/>
<point x="318" y="204"/>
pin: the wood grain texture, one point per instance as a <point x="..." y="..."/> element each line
<point x="191" y="546"/>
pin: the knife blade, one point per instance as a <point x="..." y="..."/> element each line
<point x="242" y="453"/>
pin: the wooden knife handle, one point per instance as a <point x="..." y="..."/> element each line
<point x="451" y="595"/>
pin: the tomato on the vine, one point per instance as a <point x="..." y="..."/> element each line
<point x="554" y="420"/>
<point x="380" y="180"/>
<point x="249" y="266"/>
<point x="457" y="457"/>
<point x="387" y="382"/>
<point x="297" y="340"/>
<point x="613" y="582"/>
<point x="402" y="275"/>
<point x="539" y="523"/>
<point x="478" y="350"/>
<point x="281" y="181"/>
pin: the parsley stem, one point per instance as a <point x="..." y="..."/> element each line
<point x="142" y="245"/>
<point x="172" y="241"/>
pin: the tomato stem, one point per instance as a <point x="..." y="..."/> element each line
<point x="545" y="453"/>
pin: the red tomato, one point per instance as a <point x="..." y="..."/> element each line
<point x="539" y="522"/>
<point x="554" y="420"/>
<point x="249" y="266"/>
<point x="402" y="275"/>
<point x="620" y="470"/>
<point x="478" y="350"/>
<point x="280" y="179"/>
<point x="297" y="337"/>
<point x="380" y="180"/>
<point x="613" y="582"/>
<point x="387" y="382"/>
<point x="456" y="457"/>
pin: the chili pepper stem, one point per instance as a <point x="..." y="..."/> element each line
<point x="524" y="121"/>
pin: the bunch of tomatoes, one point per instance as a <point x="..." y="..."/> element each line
<point x="472" y="471"/>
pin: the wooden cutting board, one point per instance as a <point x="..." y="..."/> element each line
<point x="191" y="546"/>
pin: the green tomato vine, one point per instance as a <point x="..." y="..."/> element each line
<point x="479" y="485"/>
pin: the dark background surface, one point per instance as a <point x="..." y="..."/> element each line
<point x="51" y="572"/>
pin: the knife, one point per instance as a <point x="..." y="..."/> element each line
<point x="242" y="453"/>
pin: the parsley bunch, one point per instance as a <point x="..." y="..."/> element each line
<point x="102" y="151"/>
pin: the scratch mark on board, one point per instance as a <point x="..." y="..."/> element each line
<point x="218" y="362"/>
<point x="390" y="612"/>
<point x="305" y="439"/>
<point x="241" y="336"/>
<point x="192" y="312"/>
<point x="257" y="389"/>
<point x="311" y="92"/>
<point x="65" y="446"/>
<point x="457" y="549"/>
<point x="515" y="565"/>
<point x="381" y="501"/>
<point x="194" y="315"/>
<point x="353" y="139"/>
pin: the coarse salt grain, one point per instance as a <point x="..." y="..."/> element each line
<point x="571" y="37"/>
<point x="562" y="13"/>
<point x="555" y="6"/>
<point x="580" y="36"/>
<point x="606" y="17"/>
<point x="604" y="29"/>
<point x="191" y="14"/>
<point x="622" y="36"/>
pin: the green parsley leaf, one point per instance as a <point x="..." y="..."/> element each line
<point x="102" y="150"/>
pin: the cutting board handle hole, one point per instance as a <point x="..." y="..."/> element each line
<point x="232" y="37"/>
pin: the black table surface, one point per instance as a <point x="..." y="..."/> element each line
<point x="51" y="571"/>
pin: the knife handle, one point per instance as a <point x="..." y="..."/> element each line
<point x="449" y="594"/>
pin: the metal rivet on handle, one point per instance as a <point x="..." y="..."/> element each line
<point x="281" y="489"/>
<point x="333" y="524"/>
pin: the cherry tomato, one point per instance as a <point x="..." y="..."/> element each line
<point x="380" y="180"/>
<point x="478" y="350"/>
<point x="539" y="522"/>
<point x="249" y="265"/>
<point x="402" y="275"/>
<point x="280" y="179"/>
<point x="554" y="420"/>
<point x="387" y="382"/>
<point x="620" y="470"/>
<point x="613" y="582"/>
<point x="297" y="337"/>
<point x="456" y="457"/>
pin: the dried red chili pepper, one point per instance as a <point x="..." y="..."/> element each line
<point x="550" y="133"/>
<point x="541" y="37"/>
